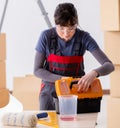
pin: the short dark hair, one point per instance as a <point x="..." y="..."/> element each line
<point x="66" y="15"/>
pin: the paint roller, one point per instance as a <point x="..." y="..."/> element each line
<point x="22" y="119"/>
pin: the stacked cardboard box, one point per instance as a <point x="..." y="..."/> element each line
<point x="4" y="93"/>
<point x="110" y="24"/>
<point x="26" y="90"/>
<point x="110" y="15"/>
<point x="2" y="61"/>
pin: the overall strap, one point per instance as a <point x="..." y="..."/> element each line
<point x="78" y="44"/>
<point x="54" y="49"/>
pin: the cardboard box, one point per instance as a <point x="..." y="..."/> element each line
<point x="110" y="15"/>
<point x="4" y="97"/>
<point x="26" y="90"/>
<point x="2" y="74"/>
<point x="115" y="82"/>
<point x="2" y="46"/>
<point x="112" y="46"/>
<point x="113" y="112"/>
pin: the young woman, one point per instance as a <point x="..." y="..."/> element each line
<point x="60" y="52"/>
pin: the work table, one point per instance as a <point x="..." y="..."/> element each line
<point x="86" y="120"/>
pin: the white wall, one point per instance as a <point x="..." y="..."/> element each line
<point x="23" y="24"/>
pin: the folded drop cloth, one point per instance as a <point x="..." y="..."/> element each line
<point x="22" y="119"/>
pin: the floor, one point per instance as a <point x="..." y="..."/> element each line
<point x="102" y="116"/>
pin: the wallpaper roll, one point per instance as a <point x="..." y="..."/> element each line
<point x="22" y="119"/>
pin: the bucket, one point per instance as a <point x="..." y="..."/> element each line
<point x="68" y="107"/>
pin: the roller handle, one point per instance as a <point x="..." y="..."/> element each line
<point x="42" y="115"/>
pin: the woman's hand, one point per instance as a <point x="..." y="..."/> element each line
<point x="85" y="81"/>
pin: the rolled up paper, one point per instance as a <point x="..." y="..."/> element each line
<point x="22" y="119"/>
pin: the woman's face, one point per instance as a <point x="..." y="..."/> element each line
<point x="66" y="32"/>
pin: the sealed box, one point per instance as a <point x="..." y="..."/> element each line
<point x="112" y="46"/>
<point x="4" y="97"/>
<point x="26" y="90"/>
<point x="110" y="15"/>
<point x="113" y="112"/>
<point x="2" y="46"/>
<point x="115" y="82"/>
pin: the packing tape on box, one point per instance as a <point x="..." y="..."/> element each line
<point x="22" y="119"/>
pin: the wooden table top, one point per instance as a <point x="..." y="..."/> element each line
<point x="87" y="120"/>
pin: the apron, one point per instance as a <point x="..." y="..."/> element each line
<point x="56" y="63"/>
<point x="66" y="65"/>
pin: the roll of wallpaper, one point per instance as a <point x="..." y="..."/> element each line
<point x="22" y="119"/>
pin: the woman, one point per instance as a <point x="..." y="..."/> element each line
<point x="60" y="51"/>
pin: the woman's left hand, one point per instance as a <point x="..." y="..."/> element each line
<point x="86" y="80"/>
